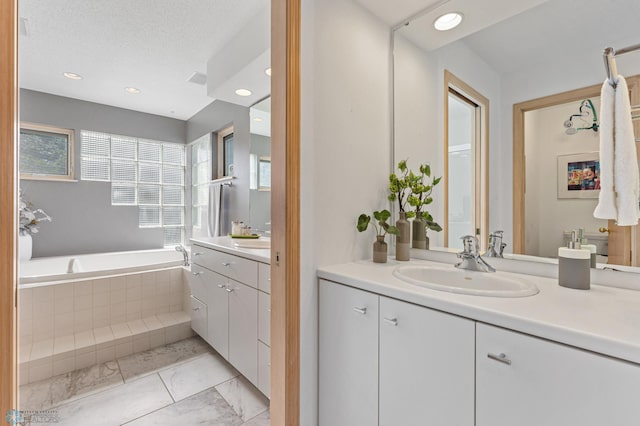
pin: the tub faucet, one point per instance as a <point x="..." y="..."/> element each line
<point x="470" y="256"/>
<point x="496" y="246"/>
<point x="185" y="253"/>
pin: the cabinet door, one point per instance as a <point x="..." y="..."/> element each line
<point x="348" y="356"/>
<point x="426" y="366"/>
<point x="264" y="369"/>
<point x="549" y="384"/>
<point x="198" y="316"/>
<point x="243" y="330"/>
<point x="218" y="312"/>
<point x="264" y="318"/>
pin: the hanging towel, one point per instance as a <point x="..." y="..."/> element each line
<point x="606" y="208"/>
<point x="625" y="165"/>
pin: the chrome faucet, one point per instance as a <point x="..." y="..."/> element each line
<point x="185" y="253"/>
<point x="496" y="246"/>
<point x="470" y="256"/>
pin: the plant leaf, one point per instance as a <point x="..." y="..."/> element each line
<point x="384" y="215"/>
<point x="392" y="230"/>
<point x="436" y="181"/>
<point x="363" y="222"/>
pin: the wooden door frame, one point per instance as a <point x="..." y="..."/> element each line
<point x="285" y="212"/>
<point x="8" y="205"/>
<point x="482" y="185"/>
<point x="285" y="252"/>
<point x="519" y="162"/>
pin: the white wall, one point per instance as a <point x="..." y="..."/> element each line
<point x="345" y="137"/>
<point x="547" y="216"/>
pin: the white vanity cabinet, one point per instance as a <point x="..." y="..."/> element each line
<point x="348" y="356"/>
<point x="224" y="289"/>
<point x="526" y="381"/>
<point x="388" y="362"/>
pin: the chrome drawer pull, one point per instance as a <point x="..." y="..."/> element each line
<point x="198" y="253"/>
<point x="196" y="309"/>
<point x="362" y="311"/>
<point x="226" y="263"/>
<point x="392" y="321"/>
<point x="221" y="286"/>
<point x="229" y="289"/>
<point x="195" y="274"/>
<point x="500" y="358"/>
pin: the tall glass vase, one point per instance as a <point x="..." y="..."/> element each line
<point x="403" y="247"/>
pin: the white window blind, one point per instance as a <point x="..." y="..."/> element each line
<point x="144" y="173"/>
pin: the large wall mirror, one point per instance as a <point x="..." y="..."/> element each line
<point x="260" y="166"/>
<point x="538" y="63"/>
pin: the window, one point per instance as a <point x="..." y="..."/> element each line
<point x="200" y="177"/>
<point x="225" y="153"/>
<point x="144" y="173"/>
<point x="264" y="174"/>
<point x="46" y="153"/>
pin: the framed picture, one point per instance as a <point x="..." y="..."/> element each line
<point x="579" y="175"/>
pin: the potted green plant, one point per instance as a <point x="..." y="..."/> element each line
<point x="419" y="198"/>
<point x="382" y="228"/>
<point x="30" y="219"/>
<point x="399" y="190"/>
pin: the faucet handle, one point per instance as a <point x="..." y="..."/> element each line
<point x="470" y="243"/>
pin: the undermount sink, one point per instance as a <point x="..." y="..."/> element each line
<point x="465" y="282"/>
<point x="253" y="244"/>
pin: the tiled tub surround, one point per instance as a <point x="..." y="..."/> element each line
<point x="68" y="325"/>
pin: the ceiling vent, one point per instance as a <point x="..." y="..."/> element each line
<point x="198" y="78"/>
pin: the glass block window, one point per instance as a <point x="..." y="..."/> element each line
<point x="201" y="174"/>
<point x="144" y="173"/>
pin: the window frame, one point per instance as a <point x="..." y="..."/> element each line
<point x="70" y="136"/>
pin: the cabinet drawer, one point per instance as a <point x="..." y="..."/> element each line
<point x="264" y="277"/>
<point x="264" y="317"/>
<point x="264" y="369"/>
<point x="199" y="316"/>
<point x="234" y="267"/>
<point x="198" y="278"/>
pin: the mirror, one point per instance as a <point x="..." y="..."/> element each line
<point x="260" y="166"/>
<point x="543" y="49"/>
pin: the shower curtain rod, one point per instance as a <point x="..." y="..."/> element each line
<point x="609" y="55"/>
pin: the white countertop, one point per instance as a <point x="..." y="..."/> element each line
<point x="227" y="245"/>
<point x="604" y="319"/>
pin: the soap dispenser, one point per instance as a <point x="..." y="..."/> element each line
<point x="584" y="244"/>
<point x="574" y="265"/>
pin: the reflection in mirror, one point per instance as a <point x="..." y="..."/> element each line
<point x="518" y="56"/>
<point x="260" y="166"/>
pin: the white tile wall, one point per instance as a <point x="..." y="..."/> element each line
<point x="73" y="325"/>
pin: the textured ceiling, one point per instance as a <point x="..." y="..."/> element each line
<point x="154" y="45"/>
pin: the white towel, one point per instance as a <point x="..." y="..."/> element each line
<point x="606" y="208"/>
<point x="625" y="166"/>
<point x="619" y="176"/>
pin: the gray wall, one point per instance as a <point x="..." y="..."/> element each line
<point x="260" y="201"/>
<point x="83" y="219"/>
<point x="215" y="117"/>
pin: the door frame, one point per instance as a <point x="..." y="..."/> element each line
<point x="285" y="251"/>
<point x="625" y="239"/>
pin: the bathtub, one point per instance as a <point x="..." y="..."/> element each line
<point x="51" y="269"/>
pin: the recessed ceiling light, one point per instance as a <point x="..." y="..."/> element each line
<point x="258" y="119"/>
<point x="72" y="75"/>
<point x="448" y="21"/>
<point x="268" y="71"/>
<point x="243" y="92"/>
<point x="132" y="90"/>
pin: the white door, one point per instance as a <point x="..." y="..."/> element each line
<point x="348" y="351"/>
<point x="218" y="312"/>
<point x="243" y="329"/>
<point x="427" y="366"/>
<point x="534" y="382"/>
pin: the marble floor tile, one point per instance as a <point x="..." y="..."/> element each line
<point x="194" y="376"/>
<point x="152" y="360"/>
<point x="59" y="389"/>
<point x="204" y="408"/>
<point x="263" y="419"/>
<point x="117" y="405"/>
<point x="245" y="399"/>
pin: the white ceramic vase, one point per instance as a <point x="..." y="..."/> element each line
<point x="25" y="247"/>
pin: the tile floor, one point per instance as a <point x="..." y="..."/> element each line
<point x="185" y="383"/>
